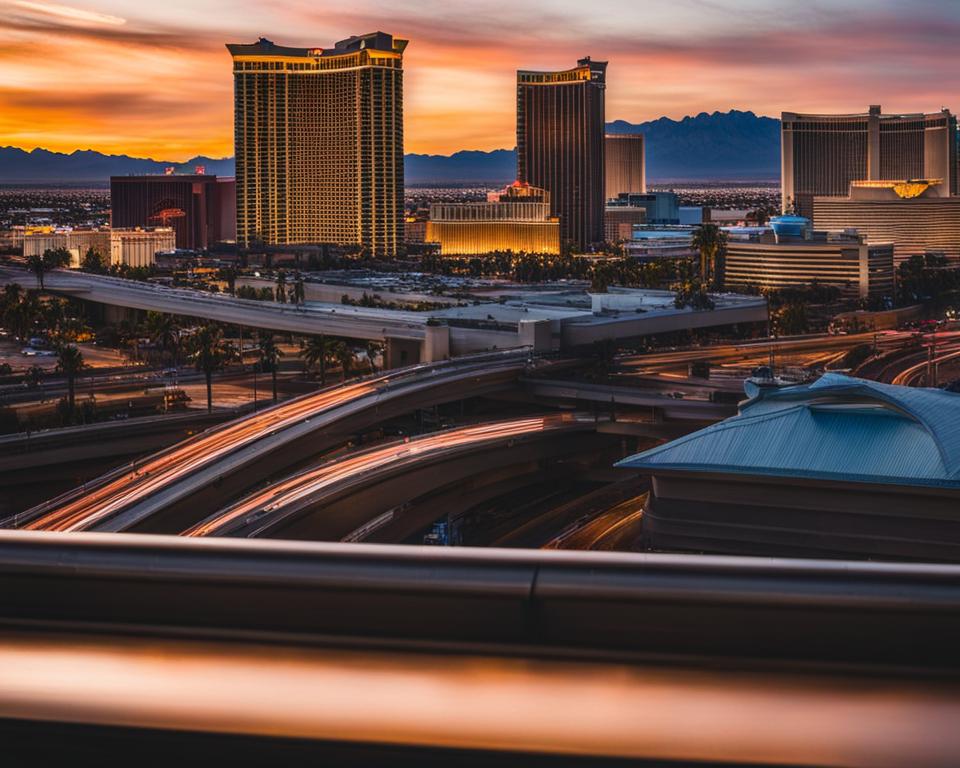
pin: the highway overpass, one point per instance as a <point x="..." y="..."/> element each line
<point x="405" y="330"/>
<point x="337" y="498"/>
<point x="533" y="321"/>
<point x="232" y="457"/>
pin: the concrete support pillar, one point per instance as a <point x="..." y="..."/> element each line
<point x="436" y="345"/>
<point x="537" y="334"/>
<point x="401" y="352"/>
<point x="113" y="314"/>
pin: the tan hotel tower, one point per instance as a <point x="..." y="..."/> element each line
<point x="319" y="143"/>
<point x="821" y="155"/>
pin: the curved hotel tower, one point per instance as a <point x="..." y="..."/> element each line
<point x="823" y="154"/>
<point x="560" y="145"/>
<point x="319" y="143"/>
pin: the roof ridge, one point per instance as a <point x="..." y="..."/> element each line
<point x="934" y="412"/>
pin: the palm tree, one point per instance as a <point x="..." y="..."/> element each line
<point x="343" y="354"/>
<point x="164" y="331"/>
<point x="229" y="274"/>
<point x="12" y="294"/>
<point x="51" y="259"/>
<point x="711" y="242"/>
<point x="19" y="319"/>
<point x="36" y="265"/>
<point x="282" y="287"/>
<point x="315" y="352"/>
<point x="270" y="355"/>
<point x="298" y="293"/>
<point x="93" y="262"/>
<point x="374" y="349"/>
<point x="210" y="352"/>
<point x="70" y="363"/>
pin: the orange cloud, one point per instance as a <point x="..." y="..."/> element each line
<point x="123" y="77"/>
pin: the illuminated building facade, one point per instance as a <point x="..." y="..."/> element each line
<point x="619" y="221"/>
<point x="560" y="145"/>
<point x="139" y="247"/>
<point x="904" y="213"/>
<point x="796" y="256"/>
<point x="201" y="209"/>
<point x="519" y="221"/>
<point x="76" y="241"/>
<point x="319" y="143"/>
<point x="625" y="164"/>
<point x="822" y="154"/>
<point x="133" y="247"/>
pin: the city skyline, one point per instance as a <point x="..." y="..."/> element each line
<point x="129" y="65"/>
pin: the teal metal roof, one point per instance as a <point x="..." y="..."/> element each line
<point x="837" y="428"/>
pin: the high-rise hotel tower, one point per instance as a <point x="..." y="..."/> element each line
<point x="560" y="145"/>
<point x="823" y="154"/>
<point x="319" y="143"/>
<point x="625" y="169"/>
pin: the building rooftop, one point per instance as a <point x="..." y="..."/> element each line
<point x="378" y="41"/>
<point x="837" y="428"/>
<point x="873" y="110"/>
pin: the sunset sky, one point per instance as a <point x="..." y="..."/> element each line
<point x="153" y="78"/>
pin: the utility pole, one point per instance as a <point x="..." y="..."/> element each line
<point x="769" y="336"/>
<point x="932" y="365"/>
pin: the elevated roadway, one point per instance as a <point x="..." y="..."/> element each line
<point x="409" y="331"/>
<point x="661" y="405"/>
<point x="237" y="455"/>
<point x="421" y="465"/>
<point x="335" y="320"/>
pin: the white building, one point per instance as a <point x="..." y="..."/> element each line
<point x="133" y="247"/>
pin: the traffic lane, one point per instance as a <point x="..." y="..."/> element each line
<point x="312" y="483"/>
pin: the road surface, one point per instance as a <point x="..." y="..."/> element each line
<point x="149" y="485"/>
<point x="263" y="510"/>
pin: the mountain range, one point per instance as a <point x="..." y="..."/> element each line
<point x="722" y="146"/>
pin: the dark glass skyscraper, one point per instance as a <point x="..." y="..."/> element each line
<point x="319" y="143"/>
<point x="560" y="145"/>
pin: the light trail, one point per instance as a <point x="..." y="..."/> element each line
<point x="328" y="475"/>
<point x="122" y="490"/>
<point x="186" y="458"/>
<point x="599" y="531"/>
<point x="906" y="376"/>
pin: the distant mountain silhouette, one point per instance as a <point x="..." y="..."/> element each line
<point x="725" y="145"/>
<point x="722" y="146"/>
<point x="498" y="166"/>
<point x="85" y="165"/>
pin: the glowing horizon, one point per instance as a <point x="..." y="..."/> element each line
<point x="119" y="78"/>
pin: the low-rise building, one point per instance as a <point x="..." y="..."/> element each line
<point x="838" y="468"/>
<point x="76" y="241"/>
<point x="519" y="221"/>
<point x="791" y="254"/>
<point x="415" y="227"/>
<point x="139" y="247"/>
<point x="619" y="221"/>
<point x="914" y="215"/>
<point x="201" y="209"/>
<point x="652" y="243"/>
<point x="660" y="208"/>
<point x="133" y="247"/>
